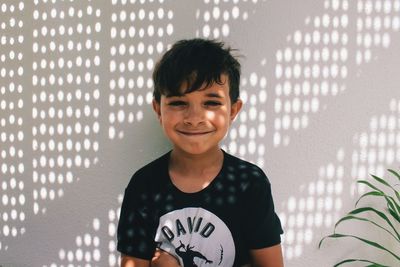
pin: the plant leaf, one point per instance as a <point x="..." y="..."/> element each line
<point x="393" y="208"/>
<point x="361" y="260"/>
<point x="389" y="199"/>
<point x="370" y="185"/>
<point x="382" y="181"/>
<point x="379" y="213"/>
<point x="394" y="215"/>
<point x="394" y="173"/>
<point x="371" y="193"/>
<point x="393" y="205"/>
<point x="351" y="217"/>
<point x="397" y="195"/>
<point x="371" y="243"/>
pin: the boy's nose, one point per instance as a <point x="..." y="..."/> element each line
<point x="193" y="115"/>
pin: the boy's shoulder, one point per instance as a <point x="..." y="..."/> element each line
<point x="243" y="168"/>
<point x="156" y="165"/>
<point x="151" y="171"/>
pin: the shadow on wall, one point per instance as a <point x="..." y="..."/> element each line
<point x="76" y="119"/>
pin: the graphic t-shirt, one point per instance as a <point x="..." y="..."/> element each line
<point x="216" y="226"/>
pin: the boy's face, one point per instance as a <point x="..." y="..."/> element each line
<point x="196" y="122"/>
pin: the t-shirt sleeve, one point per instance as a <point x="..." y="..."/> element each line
<point x="135" y="232"/>
<point x="262" y="225"/>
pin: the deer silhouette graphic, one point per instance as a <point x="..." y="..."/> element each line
<point x="188" y="255"/>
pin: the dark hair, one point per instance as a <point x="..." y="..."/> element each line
<point x="197" y="62"/>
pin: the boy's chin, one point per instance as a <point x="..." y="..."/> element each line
<point x="196" y="151"/>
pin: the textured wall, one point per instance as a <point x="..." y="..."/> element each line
<point x="321" y="86"/>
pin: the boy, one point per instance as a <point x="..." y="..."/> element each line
<point x="197" y="205"/>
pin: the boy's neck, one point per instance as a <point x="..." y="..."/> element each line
<point x="186" y="163"/>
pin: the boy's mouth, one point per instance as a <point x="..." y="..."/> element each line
<point x="194" y="133"/>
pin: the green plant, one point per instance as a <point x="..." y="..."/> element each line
<point x="386" y="219"/>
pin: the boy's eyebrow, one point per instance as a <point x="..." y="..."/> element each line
<point x="216" y="95"/>
<point x="170" y="96"/>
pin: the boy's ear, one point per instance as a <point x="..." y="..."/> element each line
<point x="157" y="109"/>
<point x="235" y="108"/>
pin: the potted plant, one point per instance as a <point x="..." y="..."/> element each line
<point x="386" y="219"/>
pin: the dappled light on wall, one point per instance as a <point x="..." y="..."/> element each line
<point x="138" y="39"/>
<point x="113" y="218"/>
<point x="87" y="249"/>
<point x="65" y="95"/>
<point x="214" y="16"/>
<point x="13" y="139"/>
<point x="378" y="147"/>
<point x="246" y="137"/>
<point x="311" y="68"/>
<point x="91" y="248"/>
<point x="75" y="86"/>
<point x="376" y="19"/>
<point x="317" y="205"/>
<point x="316" y="64"/>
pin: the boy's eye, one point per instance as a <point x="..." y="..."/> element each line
<point x="212" y="103"/>
<point x="177" y="103"/>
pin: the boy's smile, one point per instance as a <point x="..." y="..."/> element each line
<point x="196" y="122"/>
<point x="189" y="133"/>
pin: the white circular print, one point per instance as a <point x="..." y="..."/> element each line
<point x="196" y="237"/>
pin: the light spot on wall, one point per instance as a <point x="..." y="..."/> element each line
<point x="13" y="197"/>
<point x="87" y="251"/>
<point x="65" y="125"/>
<point x="139" y="35"/>
<point x="247" y="137"/>
<point x="377" y="148"/>
<point x="216" y="17"/>
<point x="317" y="205"/>
<point x="320" y="202"/>
<point x="376" y="19"/>
<point x="95" y="246"/>
<point x="312" y="68"/>
<point x="114" y="257"/>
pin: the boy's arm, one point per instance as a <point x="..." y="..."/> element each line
<point x="127" y="261"/>
<point x="164" y="259"/>
<point x="160" y="259"/>
<point x="267" y="257"/>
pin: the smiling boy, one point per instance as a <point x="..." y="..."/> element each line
<point x="198" y="205"/>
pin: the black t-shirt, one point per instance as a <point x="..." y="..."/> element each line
<point x="216" y="226"/>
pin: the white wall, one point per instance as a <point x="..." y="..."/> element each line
<point x="322" y="108"/>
